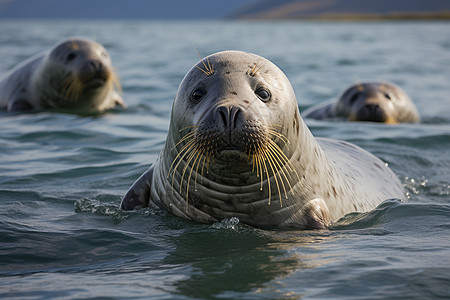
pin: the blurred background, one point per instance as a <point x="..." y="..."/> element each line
<point x="239" y="9"/>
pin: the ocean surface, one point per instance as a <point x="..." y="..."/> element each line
<point x="62" y="176"/>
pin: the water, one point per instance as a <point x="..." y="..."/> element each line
<point x="62" y="176"/>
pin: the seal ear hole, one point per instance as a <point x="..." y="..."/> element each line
<point x="197" y="95"/>
<point x="263" y="94"/>
<point x="71" y="56"/>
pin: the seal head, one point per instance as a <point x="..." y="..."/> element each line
<point x="376" y="102"/>
<point x="237" y="147"/>
<point x="370" y="102"/>
<point x="76" y="75"/>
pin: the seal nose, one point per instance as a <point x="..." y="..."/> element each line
<point x="94" y="69"/>
<point x="96" y="66"/>
<point x="229" y="116"/>
<point x="372" y="112"/>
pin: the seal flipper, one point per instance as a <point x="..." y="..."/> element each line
<point x="118" y="100"/>
<point x="19" y="105"/>
<point x="316" y="214"/>
<point x="139" y="193"/>
<point x="320" y="111"/>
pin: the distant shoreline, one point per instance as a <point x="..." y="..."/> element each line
<point x="432" y="16"/>
<point x="325" y="18"/>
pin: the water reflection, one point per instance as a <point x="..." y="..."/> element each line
<point x="226" y="263"/>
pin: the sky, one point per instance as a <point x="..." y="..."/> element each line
<point x="125" y="9"/>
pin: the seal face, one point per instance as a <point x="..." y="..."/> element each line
<point x="237" y="147"/>
<point x="76" y="75"/>
<point x="369" y="101"/>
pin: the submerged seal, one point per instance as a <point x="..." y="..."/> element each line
<point x="368" y="101"/>
<point x="76" y="75"/>
<point x="237" y="147"/>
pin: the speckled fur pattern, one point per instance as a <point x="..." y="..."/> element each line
<point x="368" y="101"/>
<point x="260" y="162"/>
<point x="76" y="75"/>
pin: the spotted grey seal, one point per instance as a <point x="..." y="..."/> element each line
<point x="76" y="75"/>
<point x="237" y="147"/>
<point x="368" y="101"/>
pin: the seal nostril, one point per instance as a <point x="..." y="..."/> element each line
<point x="95" y="65"/>
<point x="372" y="108"/>
<point x="223" y="112"/>
<point x="229" y="116"/>
<point x="372" y="112"/>
<point x="235" y="112"/>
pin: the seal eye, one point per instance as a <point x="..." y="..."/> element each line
<point x="389" y="96"/>
<point x="354" y="98"/>
<point x="71" y="56"/>
<point x="197" y="95"/>
<point x="263" y="94"/>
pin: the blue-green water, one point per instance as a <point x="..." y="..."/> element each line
<point x="62" y="176"/>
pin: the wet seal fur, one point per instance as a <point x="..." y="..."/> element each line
<point x="237" y="147"/>
<point x="76" y="75"/>
<point x="368" y="101"/>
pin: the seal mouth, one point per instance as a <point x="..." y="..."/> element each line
<point x="369" y="113"/>
<point x="75" y="84"/>
<point x="258" y="150"/>
<point x="95" y="83"/>
<point x="230" y="148"/>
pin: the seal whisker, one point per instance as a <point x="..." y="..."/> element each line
<point x="284" y="158"/>
<point x="262" y="160"/>
<point x="67" y="86"/>
<point x="187" y="136"/>
<point x="277" y="168"/>
<point x="75" y="88"/>
<point x="281" y="172"/>
<point x="256" y="161"/>
<point x="279" y="135"/>
<point x="185" y="151"/>
<point x="197" y="159"/>
<point x="71" y="90"/>
<point x="198" y="152"/>
<point x="80" y="87"/>
<point x="255" y="69"/>
<point x="209" y="69"/>
<point x="207" y="157"/>
<point x="188" y="127"/>
<point x="279" y="163"/>
<point x="184" y="168"/>
<point x="269" y="161"/>
<point x="204" y="159"/>
<point x="259" y="169"/>
<point x="74" y="45"/>
<point x="191" y="155"/>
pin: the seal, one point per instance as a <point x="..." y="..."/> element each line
<point x="76" y="75"/>
<point x="238" y="147"/>
<point x="368" y="101"/>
